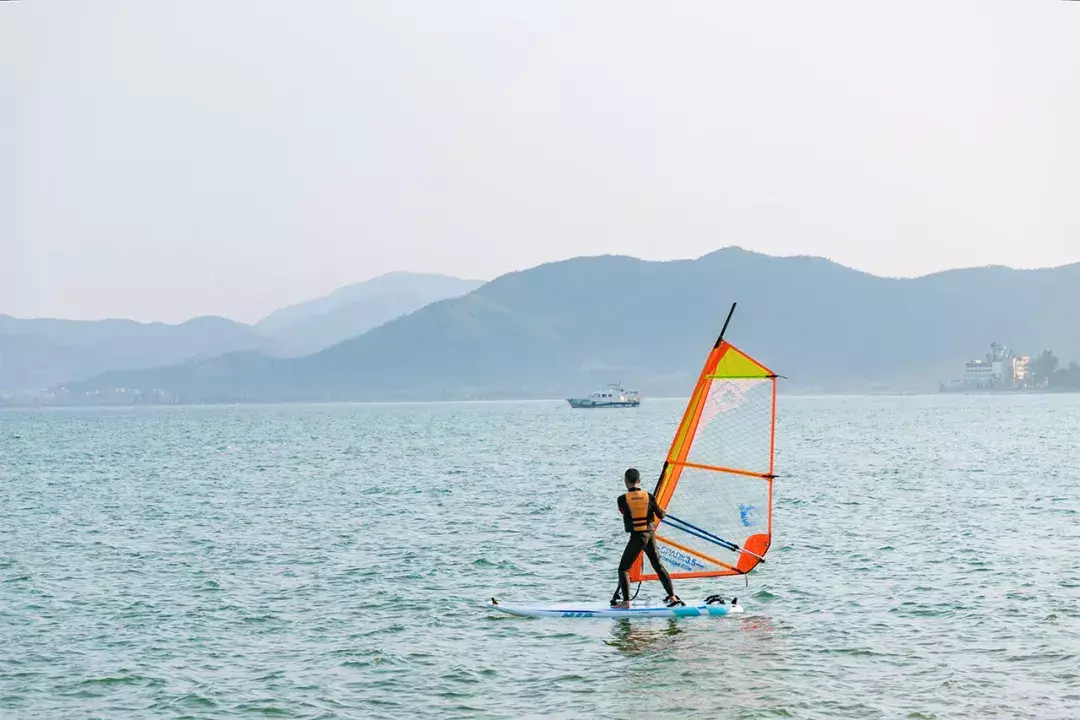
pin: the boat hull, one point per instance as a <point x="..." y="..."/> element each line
<point x="583" y="404"/>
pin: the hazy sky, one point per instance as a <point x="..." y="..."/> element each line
<point x="160" y="160"/>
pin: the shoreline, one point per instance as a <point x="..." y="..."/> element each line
<point x="560" y="402"/>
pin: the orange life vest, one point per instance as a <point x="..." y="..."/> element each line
<point x="641" y="517"/>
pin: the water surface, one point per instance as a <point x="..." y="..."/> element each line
<point x="331" y="561"/>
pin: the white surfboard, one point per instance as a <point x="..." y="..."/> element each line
<point x="595" y="609"/>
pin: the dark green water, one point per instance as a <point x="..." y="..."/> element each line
<point x="331" y="561"/>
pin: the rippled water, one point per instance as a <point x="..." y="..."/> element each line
<point x="332" y="561"/>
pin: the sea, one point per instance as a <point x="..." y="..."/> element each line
<point x="333" y="561"/>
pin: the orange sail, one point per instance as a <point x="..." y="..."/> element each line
<point x="716" y="484"/>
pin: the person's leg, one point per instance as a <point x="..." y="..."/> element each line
<point x="654" y="560"/>
<point x="630" y="554"/>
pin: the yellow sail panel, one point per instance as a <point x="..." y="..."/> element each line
<point x="734" y="363"/>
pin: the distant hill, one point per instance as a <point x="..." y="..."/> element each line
<point x="353" y="310"/>
<point x="564" y="327"/>
<point x="39" y="353"/>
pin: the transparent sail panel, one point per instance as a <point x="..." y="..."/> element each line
<point x="735" y="428"/>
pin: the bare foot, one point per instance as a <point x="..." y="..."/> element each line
<point x="624" y="605"/>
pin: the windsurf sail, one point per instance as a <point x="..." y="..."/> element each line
<point x="717" y="481"/>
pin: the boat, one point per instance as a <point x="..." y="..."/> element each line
<point x="715" y="487"/>
<point x="613" y="395"/>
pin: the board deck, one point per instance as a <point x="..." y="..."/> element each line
<point x="595" y="609"/>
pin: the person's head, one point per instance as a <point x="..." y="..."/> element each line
<point x="632" y="478"/>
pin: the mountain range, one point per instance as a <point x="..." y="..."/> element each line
<point x="563" y="328"/>
<point x="353" y="310"/>
<point x="39" y="353"/>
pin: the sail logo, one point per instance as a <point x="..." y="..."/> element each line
<point x="725" y="396"/>
<point x="748" y="515"/>
<point x="681" y="560"/>
<point x="729" y="395"/>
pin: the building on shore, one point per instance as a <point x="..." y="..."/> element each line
<point x="1000" y="369"/>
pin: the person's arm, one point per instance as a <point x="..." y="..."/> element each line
<point x="657" y="511"/>
<point x="622" y="505"/>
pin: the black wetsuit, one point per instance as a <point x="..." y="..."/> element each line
<point x="641" y="540"/>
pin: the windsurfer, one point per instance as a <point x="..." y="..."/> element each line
<point x="640" y="511"/>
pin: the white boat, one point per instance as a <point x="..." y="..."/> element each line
<point x="613" y="395"/>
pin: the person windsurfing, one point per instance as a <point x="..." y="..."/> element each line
<point x="640" y="511"/>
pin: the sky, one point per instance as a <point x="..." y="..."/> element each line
<point x="164" y="160"/>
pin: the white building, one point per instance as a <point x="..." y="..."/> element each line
<point x="980" y="373"/>
<point x="999" y="370"/>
